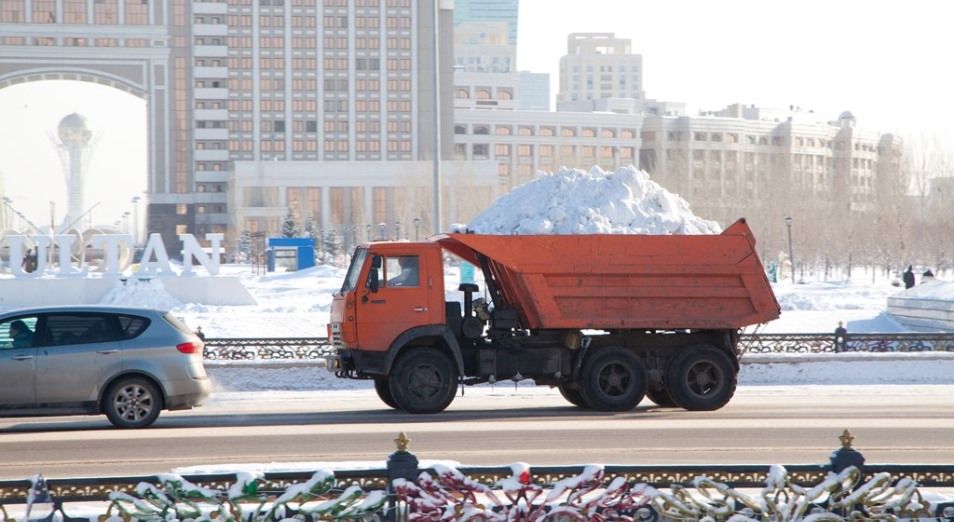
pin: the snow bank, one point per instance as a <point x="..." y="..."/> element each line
<point x="572" y="201"/>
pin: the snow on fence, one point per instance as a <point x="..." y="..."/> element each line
<point x="843" y="489"/>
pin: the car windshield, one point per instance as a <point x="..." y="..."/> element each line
<point x="354" y="271"/>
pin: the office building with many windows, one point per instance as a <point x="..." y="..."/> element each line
<point x="326" y="108"/>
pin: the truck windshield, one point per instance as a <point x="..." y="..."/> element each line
<point x="354" y="271"/>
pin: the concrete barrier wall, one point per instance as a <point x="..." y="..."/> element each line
<point x="22" y="292"/>
<point x="25" y="292"/>
<point x="925" y="307"/>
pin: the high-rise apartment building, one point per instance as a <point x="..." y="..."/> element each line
<point x="327" y="108"/>
<point x="482" y="47"/>
<point x="598" y="66"/>
<point x="495" y="11"/>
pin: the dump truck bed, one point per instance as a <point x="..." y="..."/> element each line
<point x="615" y="281"/>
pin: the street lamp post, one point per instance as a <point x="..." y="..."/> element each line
<point x="397" y="230"/>
<point x="135" y="202"/>
<point x="417" y="226"/>
<point x="367" y="229"/>
<point x="791" y="255"/>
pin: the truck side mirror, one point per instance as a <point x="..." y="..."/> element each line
<point x="374" y="277"/>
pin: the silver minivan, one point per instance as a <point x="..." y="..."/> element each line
<point x="126" y="363"/>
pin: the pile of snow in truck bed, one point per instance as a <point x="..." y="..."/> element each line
<point x="572" y="201"/>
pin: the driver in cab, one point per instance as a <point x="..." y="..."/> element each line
<point x="409" y="274"/>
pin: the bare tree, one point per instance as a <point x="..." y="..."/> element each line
<point x="929" y="160"/>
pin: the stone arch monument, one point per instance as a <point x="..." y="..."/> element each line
<point x="131" y="47"/>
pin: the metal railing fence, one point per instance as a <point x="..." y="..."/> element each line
<point x="804" y="343"/>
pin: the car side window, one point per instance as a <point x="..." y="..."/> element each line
<point x="18" y="332"/>
<point x="130" y="326"/>
<point x="78" y="328"/>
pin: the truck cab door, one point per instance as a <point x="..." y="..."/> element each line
<point x="400" y="297"/>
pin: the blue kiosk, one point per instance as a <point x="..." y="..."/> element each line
<point x="301" y="249"/>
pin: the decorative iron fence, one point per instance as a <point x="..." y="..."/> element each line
<point x="843" y="489"/>
<point x="268" y="348"/>
<point x="320" y="347"/>
<point x="860" y="342"/>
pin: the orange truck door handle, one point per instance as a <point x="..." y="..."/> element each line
<point x="420" y="308"/>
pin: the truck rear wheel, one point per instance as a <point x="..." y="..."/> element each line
<point x="423" y="381"/>
<point x="613" y="380"/>
<point x="383" y="389"/>
<point x="701" y="378"/>
<point x="660" y="396"/>
<point x="573" y="396"/>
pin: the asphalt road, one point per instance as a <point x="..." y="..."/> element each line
<point x="762" y="425"/>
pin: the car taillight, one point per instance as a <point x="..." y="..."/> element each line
<point x="191" y="347"/>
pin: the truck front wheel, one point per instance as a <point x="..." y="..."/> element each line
<point x="423" y="381"/>
<point x="383" y="389"/>
<point x="701" y="378"/>
<point x="613" y="380"/>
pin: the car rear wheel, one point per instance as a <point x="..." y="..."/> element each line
<point x="132" y="403"/>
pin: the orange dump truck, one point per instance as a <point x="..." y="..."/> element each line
<point x="607" y="319"/>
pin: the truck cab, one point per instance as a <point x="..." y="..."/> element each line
<point x="393" y="290"/>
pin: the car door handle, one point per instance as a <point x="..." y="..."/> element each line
<point x="107" y="352"/>
<point x="420" y="309"/>
<point x="22" y="357"/>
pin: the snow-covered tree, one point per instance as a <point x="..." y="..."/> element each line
<point x="244" y="248"/>
<point x="290" y="227"/>
<point x="331" y="247"/>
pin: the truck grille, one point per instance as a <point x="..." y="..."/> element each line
<point x="336" y="336"/>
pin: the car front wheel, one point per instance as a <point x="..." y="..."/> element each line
<point x="132" y="403"/>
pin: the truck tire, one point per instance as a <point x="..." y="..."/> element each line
<point x="701" y="378"/>
<point x="573" y="396"/>
<point x="383" y="389"/>
<point x="660" y="396"/>
<point x="613" y="380"/>
<point x="423" y="380"/>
